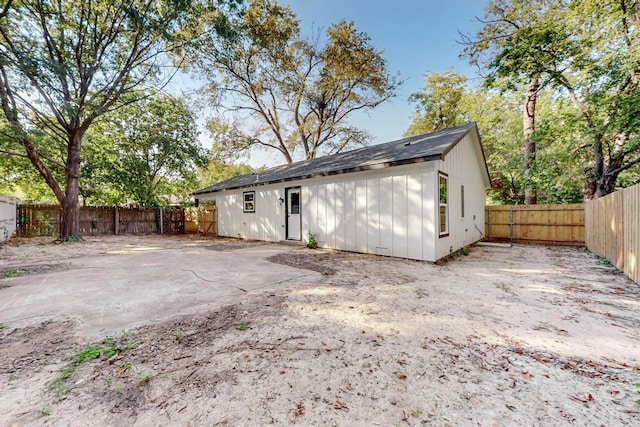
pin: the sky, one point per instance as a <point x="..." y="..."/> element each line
<point x="417" y="37"/>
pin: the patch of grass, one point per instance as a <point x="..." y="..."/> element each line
<point x="107" y="349"/>
<point x="2" y="327"/>
<point x="86" y="354"/>
<point x="45" y="410"/>
<point x="178" y="336"/>
<point x="243" y="326"/>
<point x="145" y="377"/>
<point x="637" y="385"/>
<point x="503" y="286"/>
<point x="9" y="272"/>
<point x="57" y="385"/>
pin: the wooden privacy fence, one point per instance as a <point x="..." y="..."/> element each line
<point x="545" y="224"/>
<point x="202" y="220"/>
<point x="44" y="220"/>
<point x="613" y="229"/>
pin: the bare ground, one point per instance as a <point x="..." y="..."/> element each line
<point x="525" y="335"/>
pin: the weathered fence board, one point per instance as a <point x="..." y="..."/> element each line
<point x="39" y="220"/>
<point x="172" y="221"/>
<point x="613" y="229"/>
<point x="550" y="224"/>
<point x="137" y="221"/>
<point x="44" y="220"/>
<point x="97" y="220"/>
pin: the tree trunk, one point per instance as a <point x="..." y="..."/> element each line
<point x="70" y="226"/>
<point x="605" y="173"/>
<point x="529" y="123"/>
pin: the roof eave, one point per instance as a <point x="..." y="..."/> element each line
<point x="363" y="168"/>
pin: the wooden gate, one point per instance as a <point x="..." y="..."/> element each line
<point x="202" y="220"/>
<point x="172" y="221"/>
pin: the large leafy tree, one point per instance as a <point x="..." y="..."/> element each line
<point x="438" y="104"/>
<point x="143" y="152"/>
<point x="603" y="83"/>
<point x="291" y="93"/>
<point x="556" y="174"/>
<point x="65" y="63"/>
<point x="519" y="41"/>
<point x="585" y="50"/>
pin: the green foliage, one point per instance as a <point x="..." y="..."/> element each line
<point x="217" y="170"/>
<point x="9" y="272"/>
<point x="439" y="103"/>
<point x="311" y="241"/>
<point x="585" y="53"/>
<point x="556" y="173"/>
<point x="107" y="348"/>
<point x="67" y="63"/>
<point x="143" y="152"/>
<point x="243" y="326"/>
<point x="286" y="92"/>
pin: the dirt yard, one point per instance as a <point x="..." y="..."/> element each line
<point x="527" y="335"/>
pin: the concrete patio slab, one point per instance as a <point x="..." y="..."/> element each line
<point x="113" y="292"/>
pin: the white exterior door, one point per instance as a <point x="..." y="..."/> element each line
<point x="293" y="214"/>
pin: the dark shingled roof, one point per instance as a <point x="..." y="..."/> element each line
<point x="415" y="149"/>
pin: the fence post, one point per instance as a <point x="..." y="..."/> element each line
<point x="115" y="220"/>
<point x="511" y="224"/>
<point x="161" y="221"/>
<point x="489" y="222"/>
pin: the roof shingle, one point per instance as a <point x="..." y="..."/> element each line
<point x="420" y="148"/>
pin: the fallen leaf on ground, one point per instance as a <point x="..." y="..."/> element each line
<point x="568" y="416"/>
<point x="341" y="404"/>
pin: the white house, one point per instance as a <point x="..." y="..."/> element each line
<point x="421" y="197"/>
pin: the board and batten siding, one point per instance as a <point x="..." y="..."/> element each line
<point x="463" y="169"/>
<point x="266" y="223"/>
<point x="385" y="212"/>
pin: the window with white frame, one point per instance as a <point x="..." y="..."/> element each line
<point x="248" y="201"/>
<point x="443" y="204"/>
